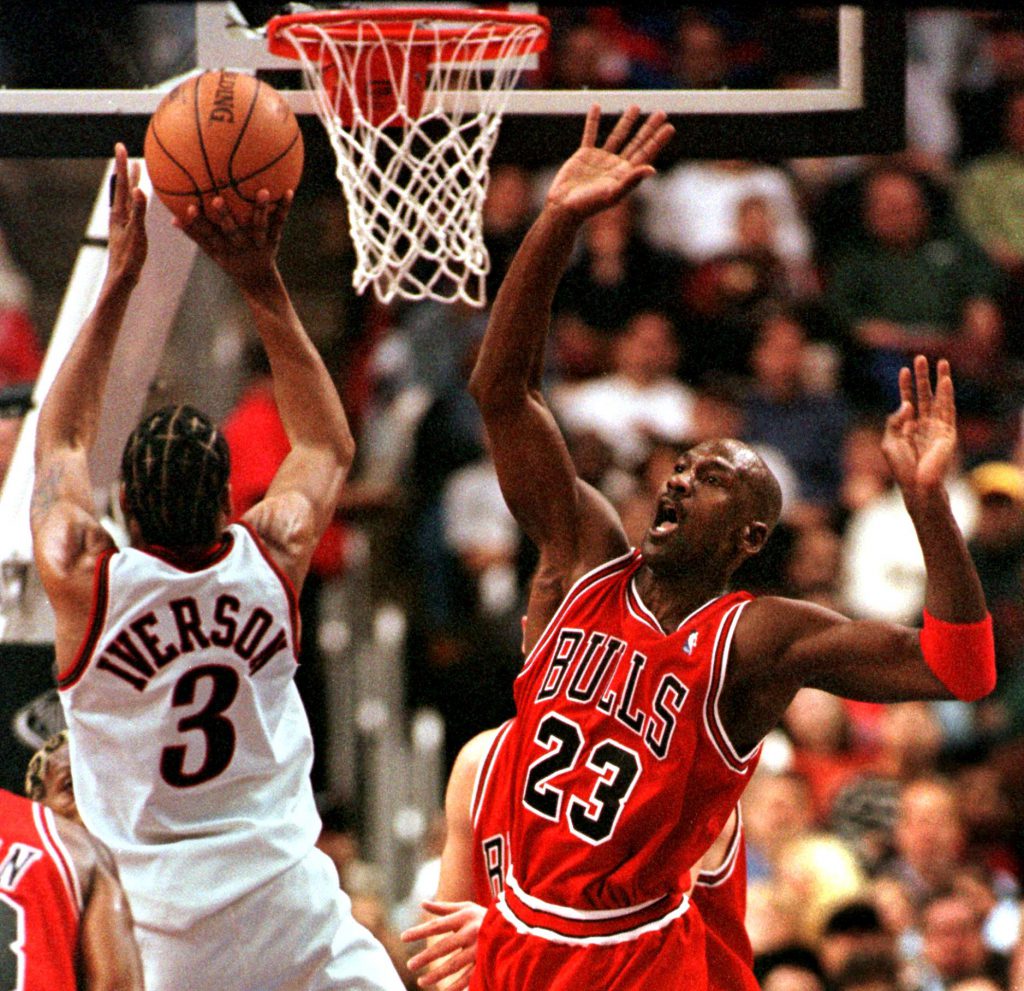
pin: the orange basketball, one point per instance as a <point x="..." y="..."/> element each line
<point x="226" y="134"/>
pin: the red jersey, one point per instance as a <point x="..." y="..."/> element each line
<point x="621" y="777"/>
<point x="488" y="811"/>
<point x="40" y="900"/>
<point x="720" y="895"/>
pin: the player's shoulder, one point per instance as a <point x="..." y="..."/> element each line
<point x="13" y="806"/>
<point x="472" y="754"/>
<point x="465" y="771"/>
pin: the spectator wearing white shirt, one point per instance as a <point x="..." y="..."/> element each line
<point x="692" y="209"/>
<point x="640" y="400"/>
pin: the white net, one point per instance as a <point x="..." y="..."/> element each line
<point x="413" y="113"/>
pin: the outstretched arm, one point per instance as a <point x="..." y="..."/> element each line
<point x="66" y="533"/>
<point x="304" y="493"/>
<point x="952" y="657"/>
<point x="537" y="476"/>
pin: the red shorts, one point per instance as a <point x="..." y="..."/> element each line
<point x="662" y="959"/>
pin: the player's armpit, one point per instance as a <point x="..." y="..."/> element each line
<point x="61" y="479"/>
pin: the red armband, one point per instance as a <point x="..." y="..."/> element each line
<point x="961" y="655"/>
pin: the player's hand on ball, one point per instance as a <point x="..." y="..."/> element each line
<point x="248" y="250"/>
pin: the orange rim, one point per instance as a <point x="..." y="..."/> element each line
<point x="402" y="24"/>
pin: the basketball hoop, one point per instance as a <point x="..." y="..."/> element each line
<point x="412" y="100"/>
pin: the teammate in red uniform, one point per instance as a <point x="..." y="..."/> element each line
<point x="64" y="920"/>
<point x="645" y="698"/>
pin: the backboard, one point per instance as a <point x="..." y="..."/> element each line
<point x="117" y="59"/>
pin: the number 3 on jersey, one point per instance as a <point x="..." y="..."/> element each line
<point x="209" y="720"/>
<point x="617" y="769"/>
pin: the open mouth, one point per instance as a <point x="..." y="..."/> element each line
<point x="666" y="519"/>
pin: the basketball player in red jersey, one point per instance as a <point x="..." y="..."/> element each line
<point x="473" y="869"/>
<point x="64" y="921"/>
<point x="190" y="749"/>
<point x="644" y="700"/>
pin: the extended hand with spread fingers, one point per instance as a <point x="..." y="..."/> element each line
<point x="596" y="177"/>
<point x="920" y="437"/>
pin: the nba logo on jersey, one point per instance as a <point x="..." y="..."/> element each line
<point x="691" y="642"/>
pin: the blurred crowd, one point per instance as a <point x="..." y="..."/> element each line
<point x="773" y="301"/>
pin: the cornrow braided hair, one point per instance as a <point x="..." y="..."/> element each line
<point x="175" y="469"/>
<point x="34" y="787"/>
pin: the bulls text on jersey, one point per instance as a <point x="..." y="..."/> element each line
<point x="584" y="661"/>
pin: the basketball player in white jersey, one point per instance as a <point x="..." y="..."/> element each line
<point x="190" y="749"/>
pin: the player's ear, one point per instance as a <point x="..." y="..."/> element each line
<point x="754" y="536"/>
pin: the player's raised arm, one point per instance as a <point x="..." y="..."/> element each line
<point x="532" y="461"/>
<point x="65" y="530"/>
<point x="952" y="656"/>
<point x="304" y="493"/>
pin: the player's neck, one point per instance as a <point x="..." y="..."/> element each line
<point x="673" y="597"/>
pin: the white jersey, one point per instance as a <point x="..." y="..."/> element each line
<point x="190" y="747"/>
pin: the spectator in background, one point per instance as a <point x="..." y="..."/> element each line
<point x="824" y="750"/>
<point x="912" y="288"/>
<point x="20" y="354"/>
<point x="910" y="739"/>
<point x="790" y="968"/>
<point x="508" y="211"/>
<point x="726" y="292"/>
<point x="977" y="984"/>
<point x="928" y="837"/>
<point x="868" y="972"/>
<point x="777" y="807"/>
<point x="702" y="58"/>
<point x="952" y="945"/>
<point x="979" y="102"/>
<point x="641" y="399"/>
<point x="15" y="402"/>
<point x="990" y="193"/>
<point x="693" y="208"/>
<point x="812" y="566"/>
<point x="882" y="575"/>
<point x="990" y="204"/>
<point x="862" y="816"/>
<point x="854" y="931"/>
<point x="818" y="873"/>
<point x="780" y="410"/>
<point x="583" y="57"/>
<point x="997" y="548"/>
<point x="994" y="896"/>
<point x="865" y="473"/>
<point x="616" y="274"/>
<point x="483" y="535"/>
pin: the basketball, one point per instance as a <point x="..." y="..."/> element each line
<point x="222" y="133"/>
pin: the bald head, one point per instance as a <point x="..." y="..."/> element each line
<point x="763" y="490"/>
